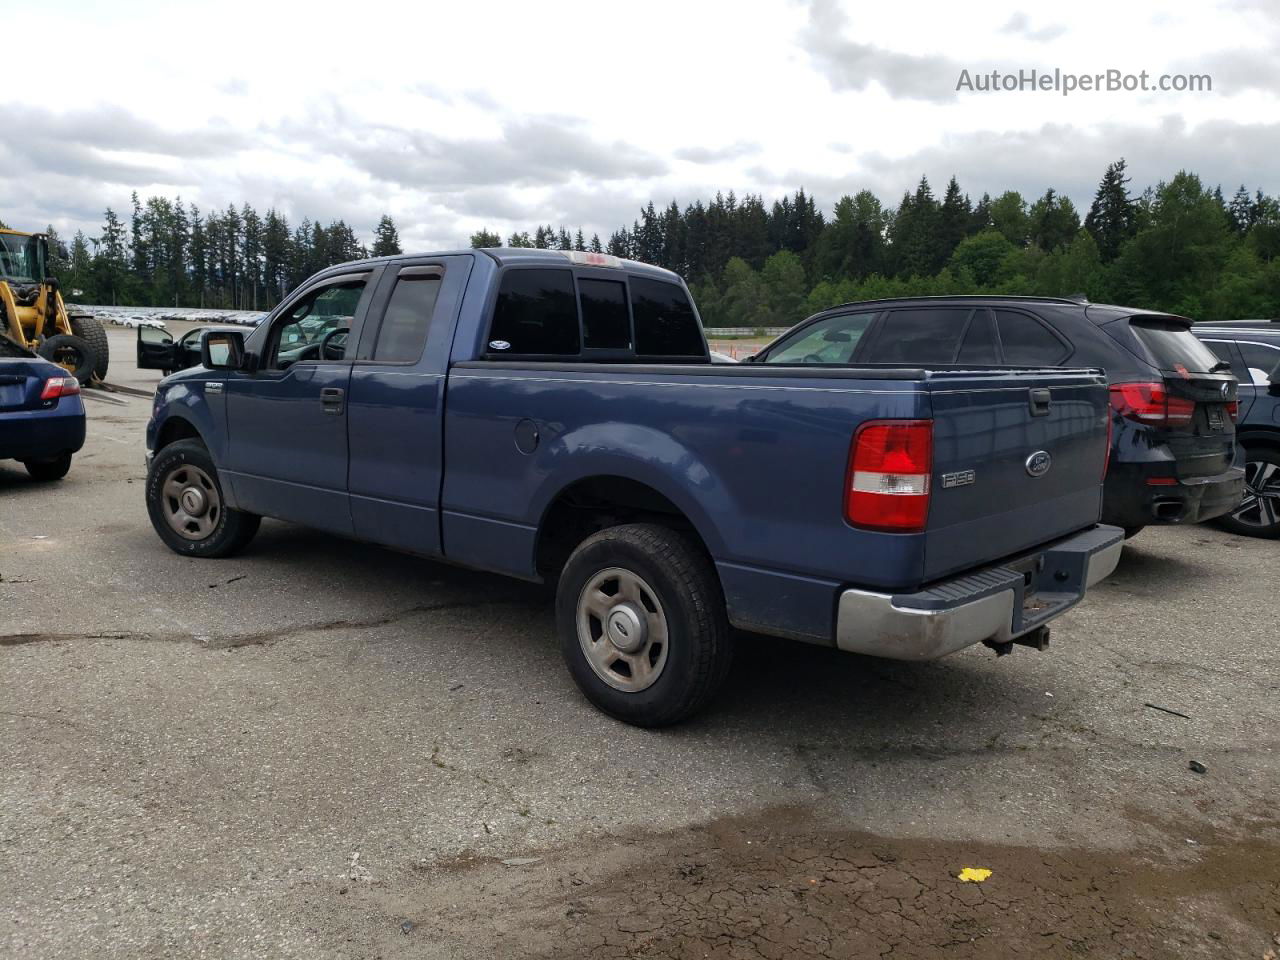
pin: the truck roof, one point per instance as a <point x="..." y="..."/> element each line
<point x="504" y="256"/>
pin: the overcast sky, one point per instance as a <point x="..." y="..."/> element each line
<point x="461" y="115"/>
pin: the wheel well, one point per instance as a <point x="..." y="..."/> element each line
<point x="175" y="429"/>
<point x="595" y="503"/>
<point x="1265" y="439"/>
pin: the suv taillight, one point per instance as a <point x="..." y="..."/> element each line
<point x="1233" y="410"/>
<point x="56" y="387"/>
<point x="1151" y="403"/>
<point x="887" y="486"/>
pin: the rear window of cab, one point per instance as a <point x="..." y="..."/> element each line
<point x="554" y="313"/>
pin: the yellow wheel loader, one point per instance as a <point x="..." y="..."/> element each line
<point x="33" y="316"/>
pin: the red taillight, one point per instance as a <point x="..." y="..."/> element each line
<point x="1151" y="403"/>
<point x="887" y="486"/>
<point x="56" y="387"/>
<point x="1233" y="410"/>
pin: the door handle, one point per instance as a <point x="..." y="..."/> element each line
<point x="331" y="399"/>
<point x="1039" y="401"/>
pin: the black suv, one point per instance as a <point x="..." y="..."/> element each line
<point x="1252" y="347"/>
<point x="1173" y="451"/>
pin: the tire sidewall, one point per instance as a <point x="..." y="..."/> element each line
<point x="678" y="605"/>
<point x="168" y="459"/>
<point x="88" y="358"/>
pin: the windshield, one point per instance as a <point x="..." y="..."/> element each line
<point x="21" y="258"/>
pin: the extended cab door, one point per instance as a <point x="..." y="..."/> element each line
<point x="287" y="419"/>
<point x="396" y="403"/>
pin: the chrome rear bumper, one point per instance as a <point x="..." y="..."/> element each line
<point x="999" y="604"/>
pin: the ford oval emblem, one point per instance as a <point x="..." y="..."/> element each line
<point x="1038" y="463"/>
<point x="499" y="345"/>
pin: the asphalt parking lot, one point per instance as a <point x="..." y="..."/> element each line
<point x="326" y="749"/>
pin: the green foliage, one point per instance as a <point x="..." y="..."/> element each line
<point x="981" y="255"/>
<point x="1179" y="247"/>
<point x="386" y="239"/>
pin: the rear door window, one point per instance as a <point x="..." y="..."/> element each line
<point x="665" y="323"/>
<point x="830" y="340"/>
<point x="920" y="335"/>
<point x="536" y="313"/>
<point x="407" y="320"/>
<point x="979" y="345"/>
<point x="1262" y="360"/>
<point x="1170" y="345"/>
<point x="1027" y="341"/>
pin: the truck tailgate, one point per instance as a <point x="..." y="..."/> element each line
<point x="1018" y="460"/>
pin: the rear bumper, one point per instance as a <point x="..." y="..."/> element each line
<point x="999" y="603"/>
<point x="1129" y="500"/>
<point x="42" y="434"/>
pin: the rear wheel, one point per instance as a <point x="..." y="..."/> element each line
<point x="1259" y="512"/>
<point x="90" y="330"/>
<point x="642" y="624"/>
<point x="187" y="508"/>
<point x="45" y="470"/>
<point x="71" y="353"/>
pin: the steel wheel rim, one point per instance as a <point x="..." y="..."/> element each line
<point x="191" y="503"/>
<point x="622" y="630"/>
<point x="1261" y="504"/>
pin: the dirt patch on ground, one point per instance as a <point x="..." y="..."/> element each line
<point x="784" y="884"/>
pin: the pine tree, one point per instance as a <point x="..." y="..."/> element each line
<point x="1053" y="221"/>
<point x="485" y="238"/>
<point x="386" y="239"/>
<point x="1241" y="211"/>
<point x="596" y="246"/>
<point x="954" y="220"/>
<point x="1112" y="215"/>
<point x="579" y="242"/>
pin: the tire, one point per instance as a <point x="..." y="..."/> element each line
<point x="1131" y="532"/>
<point x="72" y="353"/>
<point x="187" y="507"/>
<point x="90" y="330"/>
<point x="46" y="470"/>
<point x="645" y="577"/>
<point x="1259" y="513"/>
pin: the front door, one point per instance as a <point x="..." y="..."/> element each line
<point x="287" y="419"/>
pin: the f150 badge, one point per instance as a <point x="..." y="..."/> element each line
<point x="1038" y="463"/>
<point x="961" y="478"/>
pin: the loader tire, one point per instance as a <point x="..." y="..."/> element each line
<point x="72" y="353"/>
<point x="90" y="330"/>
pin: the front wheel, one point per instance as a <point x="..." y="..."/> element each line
<point x="642" y="624"/>
<point x="1259" y="512"/>
<point x="45" y="470"/>
<point x="187" y="508"/>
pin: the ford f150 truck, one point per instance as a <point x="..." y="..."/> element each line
<point x="555" y="417"/>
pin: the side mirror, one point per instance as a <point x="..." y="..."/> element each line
<point x="222" y="350"/>
<point x="837" y="336"/>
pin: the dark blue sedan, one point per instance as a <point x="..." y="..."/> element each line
<point x="41" y="414"/>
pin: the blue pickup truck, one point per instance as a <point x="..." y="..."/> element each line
<point x="554" y="416"/>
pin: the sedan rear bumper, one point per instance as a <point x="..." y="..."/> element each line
<point x="998" y="604"/>
<point x="42" y="434"/>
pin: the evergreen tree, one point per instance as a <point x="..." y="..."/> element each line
<point x="1053" y="221"/>
<point x="386" y="239"/>
<point x="1112" y="216"/>
<point x="954" y="220"/>
<point x="485" y="238"/>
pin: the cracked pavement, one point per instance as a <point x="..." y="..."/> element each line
<point x="324" y="749"/>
